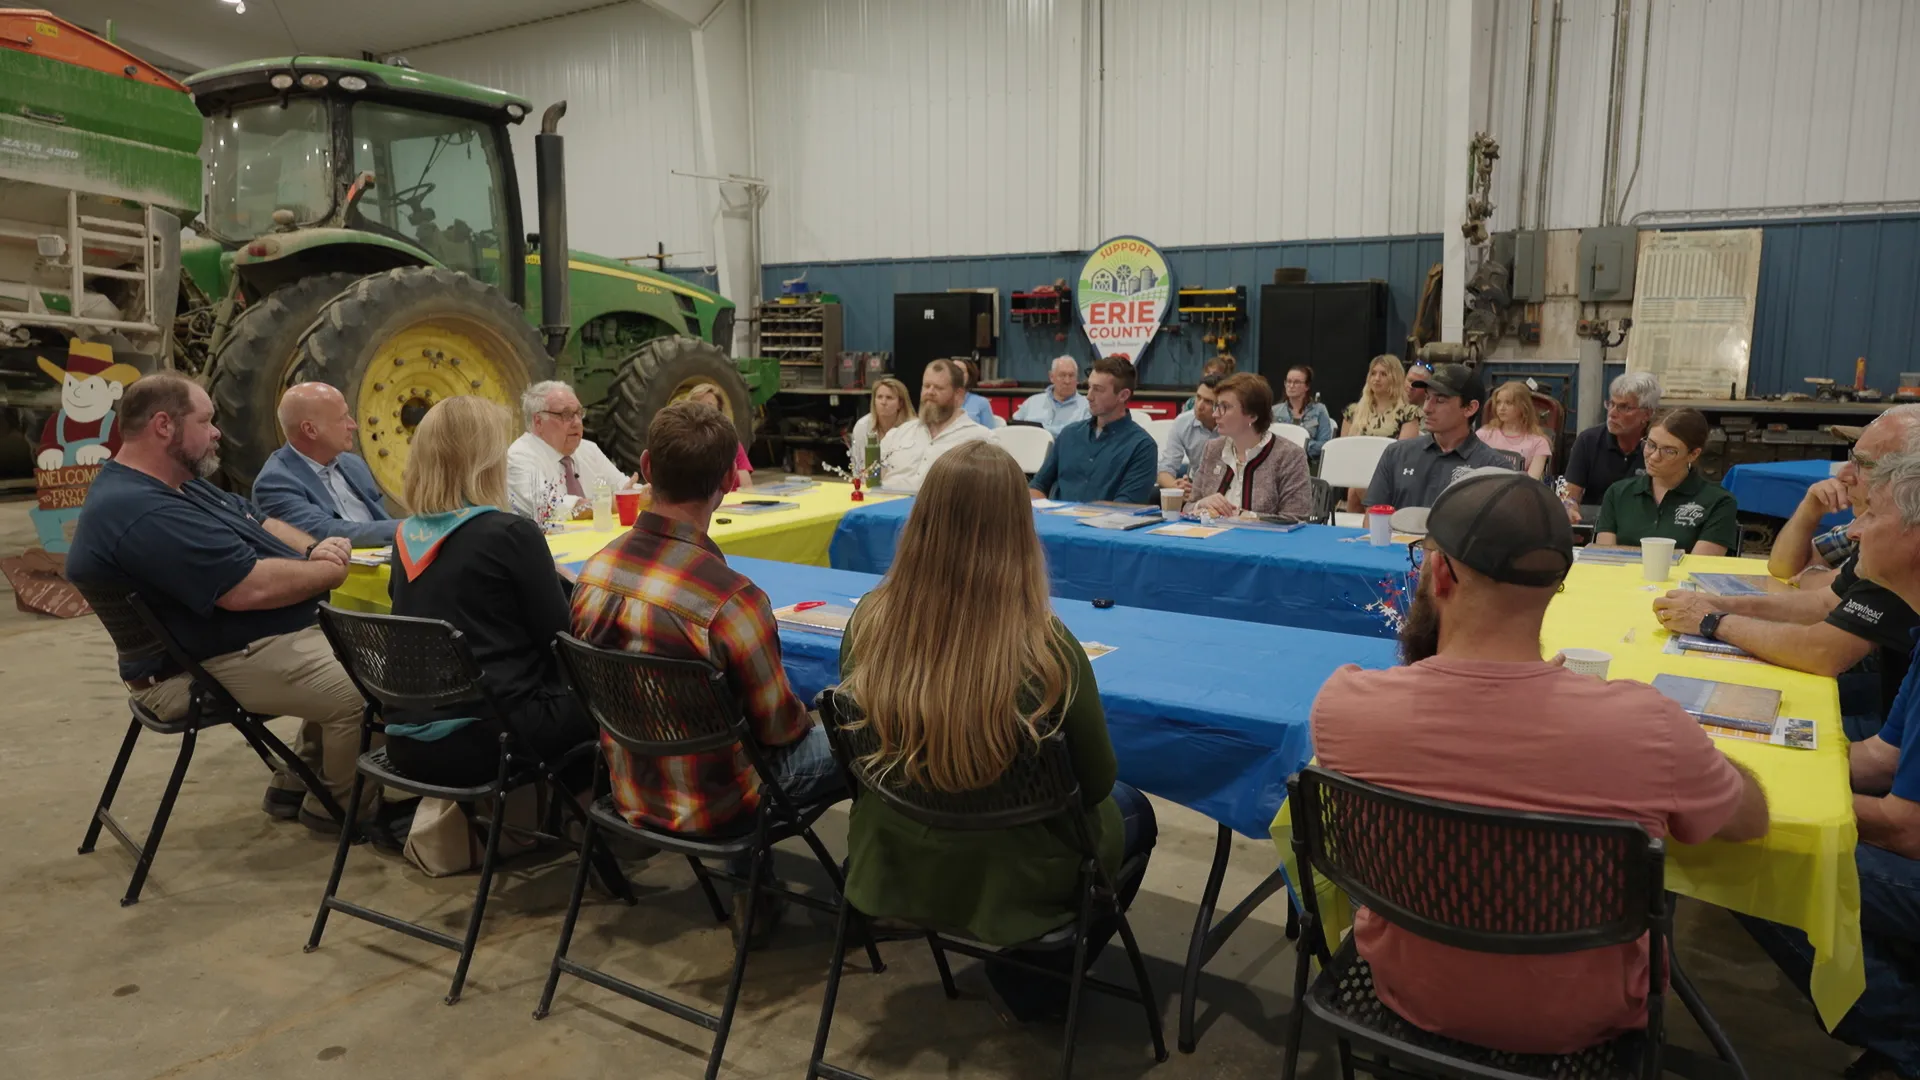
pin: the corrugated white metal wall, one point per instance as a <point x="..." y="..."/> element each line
<point x="1229" y="121"/>
<point x="910" y="128"/>
<point x="627" y="75"/>
<point x="1749" y="104"/>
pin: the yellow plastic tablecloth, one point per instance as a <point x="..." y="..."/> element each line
<point x="1802" y="873"/>
<point x="799" y="535"/>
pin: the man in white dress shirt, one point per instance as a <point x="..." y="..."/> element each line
<point x="1059" y="406"/>
<point x="910" y="450"/>
<point x="554" y="459"/>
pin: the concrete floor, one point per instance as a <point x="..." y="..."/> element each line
<point x="205" y="977"/>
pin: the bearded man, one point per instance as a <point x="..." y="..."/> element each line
<point x="1477" y="716"/>
<point x="237" y="589"/>
<point x="910" y="450"/>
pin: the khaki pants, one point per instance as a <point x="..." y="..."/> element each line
<point x="289" y="675"/>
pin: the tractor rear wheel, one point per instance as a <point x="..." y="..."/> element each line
<point x="399" y="341"/>
<point x="251" y="371"/>
<point x="651" y="378"/>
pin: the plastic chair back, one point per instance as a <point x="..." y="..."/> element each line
<point x="1293" y="433"/>
<point x="652" y="706"/>
<point x="1161" y="429"/>
<point x="399" y="662"/>
<point x="1493" y="881"/>
<point x="1038" y="786"/>
<point x="1028" y="445"/>
<point x="1349" y="462"/>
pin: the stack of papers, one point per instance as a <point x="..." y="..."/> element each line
<point x="1121" y="521"/>
<point x="1730" y="584"/>
<point x="1716" y="704"/>
<point x="814" y="616"/>
<point x="379" y="556"/>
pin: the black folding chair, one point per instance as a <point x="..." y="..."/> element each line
<point x="654" y="707"/>
<point x="1039" y="787"/>
<point x="422" y="665"/>
<point x="1322" y="502"/>
<point x="139" y="636"/>
<point x="1492" y="881"/>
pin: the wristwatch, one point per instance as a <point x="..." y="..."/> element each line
<point x="308" y="554"/>
<point x="1710" y="625"/>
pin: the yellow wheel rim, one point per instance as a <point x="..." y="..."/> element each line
<point x="426" y="363"/>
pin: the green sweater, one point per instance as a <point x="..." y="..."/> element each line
<point x="1002" y="887"/>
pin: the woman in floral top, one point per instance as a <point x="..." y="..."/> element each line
<point x="1383" y="408"/>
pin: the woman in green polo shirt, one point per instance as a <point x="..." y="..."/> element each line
<point x="1672" y="499"/>
<point x="958" y="664"/>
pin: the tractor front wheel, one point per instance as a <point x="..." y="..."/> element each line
<point x="654" y="376"/>
<point x="397" y="342"/>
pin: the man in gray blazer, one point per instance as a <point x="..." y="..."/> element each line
<point x="315" y="482"/>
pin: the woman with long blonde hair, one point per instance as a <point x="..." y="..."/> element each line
<point x="462" y="557"/>
<point x="891" y="408"/>
<point x="958" y="663"/>
<point x="709" y="393"/>
<point x="1383" y="408"/>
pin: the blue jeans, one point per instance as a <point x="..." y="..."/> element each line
<point x="1035" y="997"/>
<point x="1887" y="1016"/>
<point x="807" y="774"/>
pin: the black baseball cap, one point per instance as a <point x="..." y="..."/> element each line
<point x="1453" y="380"/>
<point x="1504" y="524"/>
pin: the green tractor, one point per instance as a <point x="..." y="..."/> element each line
<point x="369" y="215"/>
<point x="361" y="226"/>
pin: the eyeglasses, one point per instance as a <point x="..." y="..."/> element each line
<point x="1655" y="450"/>
<point x="1622" y="406"/>
<point x="1864" y="464"/>
<point x="568" y="417"/>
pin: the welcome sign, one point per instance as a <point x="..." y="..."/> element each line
<point x="1125" y="293"/>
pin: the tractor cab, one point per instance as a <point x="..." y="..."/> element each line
<point x="290" y="144"/>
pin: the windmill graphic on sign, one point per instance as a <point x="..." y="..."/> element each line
<point x="1125" y="294"/>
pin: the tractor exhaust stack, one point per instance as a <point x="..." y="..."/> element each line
<point x="550" y="170"/>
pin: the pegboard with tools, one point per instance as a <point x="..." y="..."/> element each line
<point x="1220" y="314"/>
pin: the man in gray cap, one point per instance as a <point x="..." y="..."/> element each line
<point x="1477" y="716"/>
<point x="1413" y="472"/>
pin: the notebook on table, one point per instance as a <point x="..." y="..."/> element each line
<point x="1719" y="704"/>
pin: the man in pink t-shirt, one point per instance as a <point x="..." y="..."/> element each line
<point x="1477" y="717"/>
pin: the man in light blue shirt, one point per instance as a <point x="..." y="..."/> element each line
<point x="977" y="407"/>
<point x="1191" y="433"/>
<point x="1054" y="409"/>
<point x="316" y="483"/>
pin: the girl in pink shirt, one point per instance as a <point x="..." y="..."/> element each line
<point x="1516" y="427"/>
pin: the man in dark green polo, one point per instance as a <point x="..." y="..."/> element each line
<point x="1106" y="457"/>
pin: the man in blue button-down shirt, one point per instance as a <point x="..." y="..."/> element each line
<point x="316" y="483"/>
<point x="1192" y="431"/>
<point x="1107" y="457"/>
<point x="1061" y="404"/>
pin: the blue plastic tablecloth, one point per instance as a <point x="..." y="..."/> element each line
<point x="1206" y="713"/>
<point x="1316" y="577"/>
<point x="1776" y="488"/>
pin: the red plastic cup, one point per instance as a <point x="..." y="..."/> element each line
<point x="627" y="505"/>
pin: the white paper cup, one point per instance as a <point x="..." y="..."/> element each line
<point x="1656" y="558"/>
<point x="1379" y="529"/>
<point x="1587" y="661"/>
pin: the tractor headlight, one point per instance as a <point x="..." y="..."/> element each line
<point x="352" y="82"/>
<point x="282" y="81"/>
<point x="313" y="81"/>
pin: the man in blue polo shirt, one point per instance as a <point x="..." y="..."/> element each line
<point x="1061" y="403"/>
<point x="237" y="589"/>
<point x="1106" y="457"/>
<point x="1885" y="773"/>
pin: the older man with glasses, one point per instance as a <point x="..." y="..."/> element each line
<point x="555" y="459"/>
<point x="1605" y="454"/>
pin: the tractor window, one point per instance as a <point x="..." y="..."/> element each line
<point x="436" y="185"/>
<point x="263" y="158"/>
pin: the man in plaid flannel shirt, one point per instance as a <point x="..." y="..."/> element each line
<point x="665" y="589"/>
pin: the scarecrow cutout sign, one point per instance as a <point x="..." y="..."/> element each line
<point x="77" y="439"/>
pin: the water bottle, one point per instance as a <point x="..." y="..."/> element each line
<point x="872" y="452"/>
<point x="602" y="506"/>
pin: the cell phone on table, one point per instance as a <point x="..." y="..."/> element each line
<point x="758" y="502"/>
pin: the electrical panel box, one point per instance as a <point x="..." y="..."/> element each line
<point x="1608" y="258"/>
<point x="1530" y="266"/>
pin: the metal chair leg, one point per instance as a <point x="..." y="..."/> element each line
<point x="152" y="844"/>
<point x="706" y="886"/>
<point x="1076" y="991"/>
<point x="1147" y="1000"/>
<point x="840" y="886"/>
<point x="741" y="948"/>
<point x="1698" y="1008"/>
<point x="1297" y="1022"/>
<point x="940" y="961"/>
<point x="587" y="846"/>
<point x="339" y="860"/>
<point x="1346" y="1060"/>
<point x="105" y="805"/>
<point x="498" y="812"/>
<point x="301" y="770"/>
<point x="833" y="988"/>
